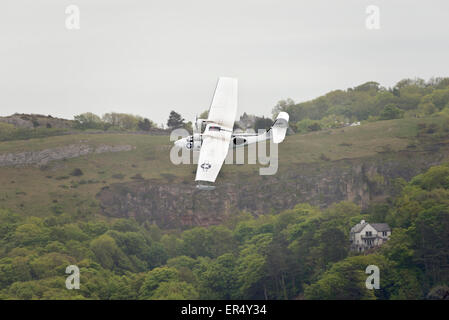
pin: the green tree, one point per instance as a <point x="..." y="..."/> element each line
<point x="197" y="242"/>
<point x="262" y="124"/>
<point x="391" y="112"/>
<point x="50" y="264"/>
<point x="175" y="290"/>
<point x="345" y="280"/>
<point x="220" y="277"/>
<point x="204" y="114"/>
<point x="31" y="234"/>
<point x="122" y="121"/>
<point x="333" y="243"/>
<point x="154" y="278"/>
<point x="88" y="120"/>
<point x="307" y="125"/>
<point x="145" y="125"/>
<point x="251" y="273"/>
<point x="108" y="254"/>
<point x="282" y="105"/>
<point x="175" y="120"/>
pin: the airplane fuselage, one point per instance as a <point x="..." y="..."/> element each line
<point x="194" y="142"/>
<point x="238" y="140"/>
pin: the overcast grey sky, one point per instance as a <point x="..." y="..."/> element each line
<point x="149" y="57"/>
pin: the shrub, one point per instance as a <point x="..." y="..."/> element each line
<point x="391" y="112"/>
<point x="76" y="172"/>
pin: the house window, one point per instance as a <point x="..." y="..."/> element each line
<point x="368" y="233"/>
<point x="384" y="233"/>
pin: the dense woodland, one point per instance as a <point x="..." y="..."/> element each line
<point x="369" y="102"/>
<point x="295" y="254"/>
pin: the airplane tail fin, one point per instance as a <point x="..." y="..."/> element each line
<point x="279" y="128"/>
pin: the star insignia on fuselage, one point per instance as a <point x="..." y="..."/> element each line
<point x="206" y="166"/>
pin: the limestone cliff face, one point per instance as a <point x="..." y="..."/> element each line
<point x="42" y="157"/>
<point x="172" y="205"/>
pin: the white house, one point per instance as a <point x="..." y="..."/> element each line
<point x="366" y="235"/>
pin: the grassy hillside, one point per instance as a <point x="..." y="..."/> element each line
<point x="33" y="190"/>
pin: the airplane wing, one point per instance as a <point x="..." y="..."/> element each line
<point x="224" y="103"/>
<point x="213" y="152"/>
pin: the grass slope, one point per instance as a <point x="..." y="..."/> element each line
<point x="39" y="190"/>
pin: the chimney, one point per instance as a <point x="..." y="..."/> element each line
<point x="362" y="222"/>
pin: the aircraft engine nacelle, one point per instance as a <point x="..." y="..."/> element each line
<point x="239" y="141"/>
<point x="199" y="124"/>
<point x="186" y="142"/>
<point x="197" y="141"/>
<point x="190" y="143"/>
<point x="280" y="127"/>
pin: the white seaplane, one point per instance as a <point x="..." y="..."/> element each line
<point x="218" y="136"/>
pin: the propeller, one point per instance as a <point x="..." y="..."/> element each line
<point x="196" y="122"/>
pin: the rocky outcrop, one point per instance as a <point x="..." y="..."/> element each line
<point x="174" y="205"/>
<point x="30" y="121"/>
<point x="42" y="157"/>
<point x="36" y="121"/>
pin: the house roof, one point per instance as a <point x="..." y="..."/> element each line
<point x="358" y="227"/>
<point x="381" y="226"/>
